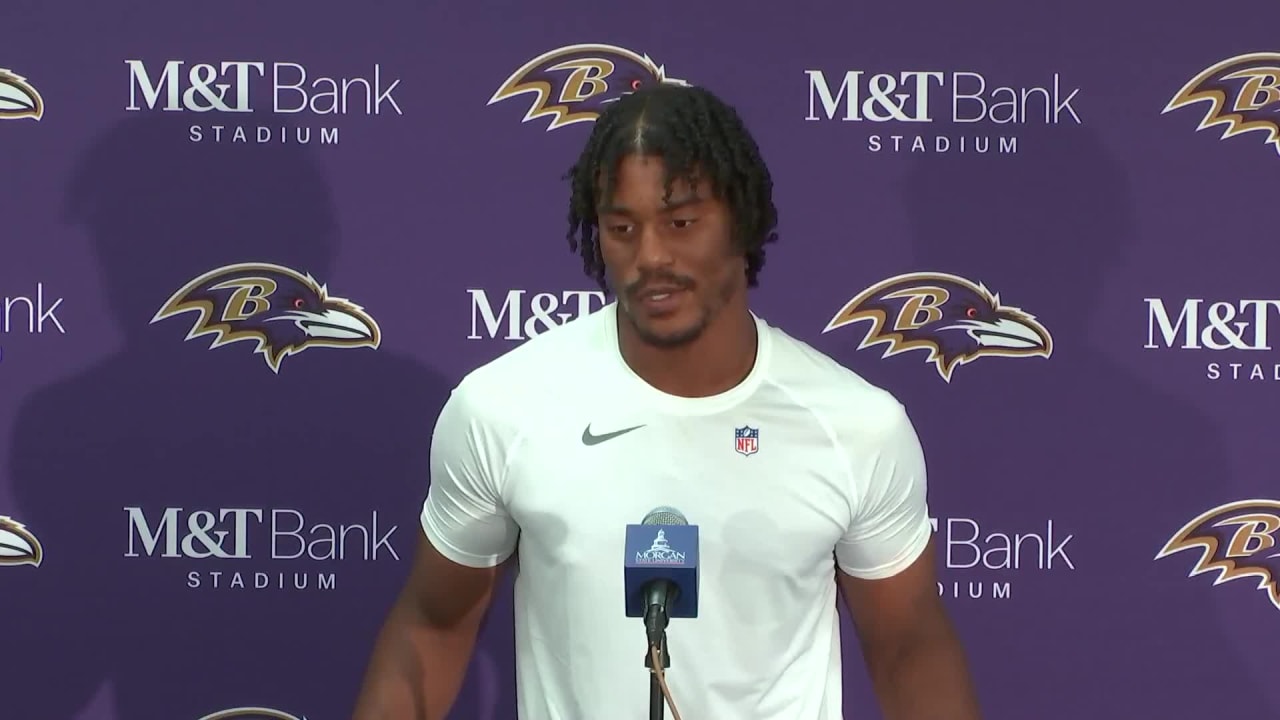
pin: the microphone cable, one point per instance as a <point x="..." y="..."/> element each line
<point x="662" y="680"/>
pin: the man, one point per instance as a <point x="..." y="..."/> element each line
<point x="554" y="447"/>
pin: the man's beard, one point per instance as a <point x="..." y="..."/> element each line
<point x="667" y="341"/>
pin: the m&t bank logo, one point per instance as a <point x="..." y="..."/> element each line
<point x="896" y="109"/>
<point x="262" y="536"/>
<point x="222" y="96"/>
<point x="974" y="552"/>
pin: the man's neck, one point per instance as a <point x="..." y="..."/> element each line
<point x="716" y="362"/>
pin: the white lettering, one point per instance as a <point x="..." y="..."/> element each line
<point x="225" y="534"/>
<point x="974" y="590"/>
<point x="1211" y="326"/>
<point x="218" y="580"/>
<point x="660" y="557"/>
<point x="203" y="92"/>
<point x="968" y="548"/>
<point x="35" y="315"/>
<point x="1269" y="372"/>
<point x="226" y="88"/>
<point x="1001" y="551"/>
<point x="327" y="542"/>
<point x="904" y="97"/>
<point x="523" y="315"/>
<point x="201" y="539"/>
<point x="881" y="103"/>
<point x="1005" y="105"/>
<point x="141" y="81"/>
<point x="979" y="144"/>
<point x="261" y="134"/>
<point x="331" y="96"/>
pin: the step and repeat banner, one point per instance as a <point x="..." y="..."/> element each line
<point x="248" y="250"/>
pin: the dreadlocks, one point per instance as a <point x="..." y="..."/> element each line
<point x="698" y="136"/>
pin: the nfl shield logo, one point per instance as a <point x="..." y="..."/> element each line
<point x="748" y="440"/>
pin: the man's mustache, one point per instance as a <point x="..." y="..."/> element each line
<point x="659" y="279"/>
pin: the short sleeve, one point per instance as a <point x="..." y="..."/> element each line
<point x="463" y="515"/>
<point x="891" y="526"/>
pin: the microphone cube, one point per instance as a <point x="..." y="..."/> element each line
<point x="662" y="552"/>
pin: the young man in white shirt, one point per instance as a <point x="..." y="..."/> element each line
<point x="551" y="449"/>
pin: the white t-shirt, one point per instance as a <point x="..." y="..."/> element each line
<point x="837" y="476"/>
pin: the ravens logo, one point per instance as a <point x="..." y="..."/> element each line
<point x="252" y="713"/>
<point x="954" y="320"/>
<point x="1242" y="93"/>
<point x="17" y="545"/>
<point x="282" y="310"/>
<point x="573" y="84"/>
<point x="1237" y="540"/>
<point x="18" y="99"/>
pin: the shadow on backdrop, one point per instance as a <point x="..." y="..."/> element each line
<point x="1013" y="443"/>
<point x="143" y="600"/>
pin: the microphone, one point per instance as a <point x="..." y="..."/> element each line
<point x="661" y="570"/>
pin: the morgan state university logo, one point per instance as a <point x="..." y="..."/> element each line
<point x="252" y="713"/>
<point x="1242" y="93"/>
<point x="1237" y="540"/>
<point x="954" y="320"/>
<point x="573" y="84"/>
<point x="18" y="98"/>
<point x="281" y="310"/>
<point x="17" y="545"/>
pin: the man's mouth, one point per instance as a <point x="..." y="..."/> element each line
<point x="660" y="299"/>
<point x="658" y="294"/>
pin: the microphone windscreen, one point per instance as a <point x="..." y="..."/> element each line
<point x="664" y="516"/>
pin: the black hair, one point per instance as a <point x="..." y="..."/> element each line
<point x="698" y="136"/>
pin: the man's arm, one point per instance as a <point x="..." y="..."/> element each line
<point x="888" y="579"/>
<point x="913" y="655"/>
<point x="421" y="655"/>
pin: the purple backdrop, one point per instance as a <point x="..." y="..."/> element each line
<point x="192" y="532"/>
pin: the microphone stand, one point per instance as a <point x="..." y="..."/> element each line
<point x="657" y="702"/>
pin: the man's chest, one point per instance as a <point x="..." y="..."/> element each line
<point x="769" y="495"/>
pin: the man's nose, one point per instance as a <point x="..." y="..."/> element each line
<point x="654" y="251"/>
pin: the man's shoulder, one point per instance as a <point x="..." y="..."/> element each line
<point x="853" y="406"/>
<point x="536" y="371"/>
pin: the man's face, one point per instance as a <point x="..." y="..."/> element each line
<point x="672" y="264"/>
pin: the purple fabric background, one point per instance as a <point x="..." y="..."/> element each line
<point x="1107" y="445"/>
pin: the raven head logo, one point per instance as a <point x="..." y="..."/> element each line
<point x="18" y="546"/>
<point x="18" y="98"/>
<point x="1242" y="93"/>
<point x="281" y="310"/>
<point x="252" y="713"/>
<point x="574" y="83"/>
<point x="954" y="320"/>
<point x="1237" y="540"/>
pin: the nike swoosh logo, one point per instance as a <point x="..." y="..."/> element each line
<point x="589" y="439"/>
